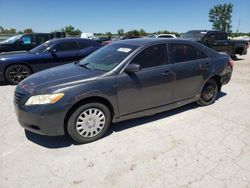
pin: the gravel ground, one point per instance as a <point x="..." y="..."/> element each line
<point x="187" y="147"/>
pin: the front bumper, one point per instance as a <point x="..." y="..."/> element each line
<point x="44" y="119"/>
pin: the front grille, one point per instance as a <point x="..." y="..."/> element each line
<point x="18" y="97"/>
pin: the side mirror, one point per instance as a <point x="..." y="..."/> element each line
<point x="132" y="68"/>
<point x="52" y="50"/>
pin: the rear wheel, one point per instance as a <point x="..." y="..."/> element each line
<point x="89" y="122"/>
<point x="209" y="93"/>
<point x="16" y="73"/>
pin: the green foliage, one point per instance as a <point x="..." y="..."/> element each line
<point x="220" y="16"/>
<point x="142" y="32"/>
<point x="71" y="31"/>
<point x="28" y="30"/>
<point x="7" y="31"/>
<point x="239" y="34"/>
<point x="120" y="32"/>
<point x="109" y="34"/>
<point x="133" y="33"/>
<point x="169" y="32"/>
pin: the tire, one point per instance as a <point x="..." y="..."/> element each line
<point x="89" y="122"/>
<point x="14" y="74"/>
<point x="209" y="93"/>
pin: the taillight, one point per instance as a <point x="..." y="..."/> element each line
<point x="231" y="62"/>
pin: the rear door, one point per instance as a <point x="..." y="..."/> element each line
<point x="149" y="88"/>
<point x="219" y="42"/>
<point x="66" y="52"/>
<point x="27" y="42"/>
<point x="191" y="66"/>
<point x="87" y="47"/>
<point x="41" y="38"/>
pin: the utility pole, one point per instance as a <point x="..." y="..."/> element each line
<point x="238" y="27"/>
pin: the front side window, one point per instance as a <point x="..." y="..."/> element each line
<point x="40" y="48"/>
<point x="185" y="52"/>
<point x="28" y="39"/>
<point x="66" y="46"/>
<point x="152" y="56"/>
<point x="83" y="45"/>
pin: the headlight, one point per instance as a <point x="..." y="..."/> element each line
<point x="44" y="99"/>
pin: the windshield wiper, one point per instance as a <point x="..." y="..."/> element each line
<point x="84" y="65"/>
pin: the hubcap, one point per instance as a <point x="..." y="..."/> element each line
<point x="90" y="122"/>
<point x="209" y="92"/>
<point x="18" y="73"/>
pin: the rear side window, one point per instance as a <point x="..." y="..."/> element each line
<point x="184" y="52"/>
<point x="152" y="56"/>
<point x="66" y="46"/>
<point x="221" y="36"/>
<point x="42" y="38"/>
<point x="83" y="45"/>
<point x="27" y="39"/>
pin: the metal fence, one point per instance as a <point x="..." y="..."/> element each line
<point x="5" y="36"/>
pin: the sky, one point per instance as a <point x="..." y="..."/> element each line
<point x="110" y="15"/>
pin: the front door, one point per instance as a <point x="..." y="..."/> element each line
<point x="149" y="88"/>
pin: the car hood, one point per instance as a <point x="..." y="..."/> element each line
<point x="16" y="56"/>
<point x="58" y="78"/>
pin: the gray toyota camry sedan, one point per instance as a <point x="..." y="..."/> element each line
<point x="123" y="80"/>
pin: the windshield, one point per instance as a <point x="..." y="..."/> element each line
<point x="40" y="49"/>
<point x="11" y="40"/>
<point x="108" y="57"/>
<point x="150" y="36"/>
<point x="198" y="35"/>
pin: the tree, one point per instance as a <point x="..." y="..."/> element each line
<point x="220" y="16"/>
<point x="12" y="31"/>
<point x="142" y="32"/>
<point x="1" y="29"/>
<point x="109" y="34"/>
<point x="70" y="30"/>
<point x="133" y="33"/>
<point x="120" y="32"/>
<point x="28" y="30"/>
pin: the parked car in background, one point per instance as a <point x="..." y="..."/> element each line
<point x="161" y="36"/>
<point x="89" y="36"/>
<point x="14" y="67"/>
<point x="129" y="37"/>
<point x="27" y="41"/>
<point x="124" y="80"/>
<point x="219" y="41"/>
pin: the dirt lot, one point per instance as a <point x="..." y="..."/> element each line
<point x="187" y="147"/>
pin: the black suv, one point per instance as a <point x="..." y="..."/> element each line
<point x="27" y="41"/>
<point x="123" y="80"/>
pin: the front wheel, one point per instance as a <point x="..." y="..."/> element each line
<point x="209" y="93"/>
<point x="89" y="122"/>
<point x="16" y="73"/>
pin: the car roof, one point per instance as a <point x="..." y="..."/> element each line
<point x="147" y="41"/>
<point x="56" y="40"/>
<point x="204" y="30"/>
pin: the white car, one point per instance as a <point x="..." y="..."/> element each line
<point x="161" y="36"/>
<point x="89" y="36"/>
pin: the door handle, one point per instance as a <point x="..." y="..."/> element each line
<point x="167" y="73"/>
